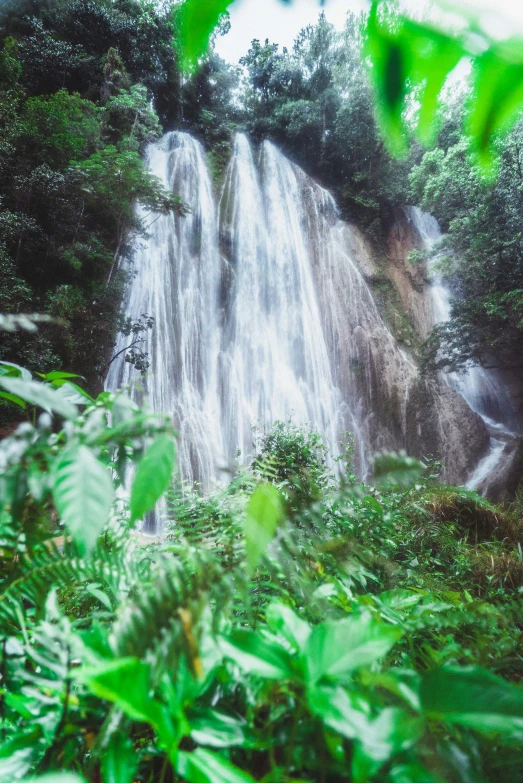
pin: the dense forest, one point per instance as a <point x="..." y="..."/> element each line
<point x="297" y="623"/>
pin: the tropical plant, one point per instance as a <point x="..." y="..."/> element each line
<point x="245" y="646"/>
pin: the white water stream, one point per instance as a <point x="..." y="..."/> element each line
<point x="261" y="314"/>
<point x="480" y="387"/>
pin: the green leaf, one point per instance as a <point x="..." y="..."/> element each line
<point x="393" y="731"/>
<point x="11" y="397"/>
<point x="396" y="470"/>
<point x="336" y="648"/>
<point x="56" y="777"/>
<point x="203" y="766"/>
<point x="126" y="683"/>
<point x="336" y="709"/>
<point x="209" y="727"/>
<point x="412" y="772"/>
<point x="258" y="655"/>
<point x="100" y="595"/>
<point x="119" y="760"/>
<point x="14" y="371"/>
<point x="473" y="697"/>
<point x="498" y="96"/>
<point x="19" y="754"/>
<point x="83" y="494"/>
<point x="153" y="476"/>
<point x="264" y="513"/>
<point x="41" y="395"/>
<point x="197" y="21"/>
<point x="57" y="375"/>
<point x="400" y="599"/>
<point x="281" y="619"/>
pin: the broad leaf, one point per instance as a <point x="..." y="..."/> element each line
<point x="83" y="494"/>
<point x="153" y="476"/>
<point x="257" y="655"/>
<point x="400" y="599"/>
<point x="281" y="619"/>
<point x="336" y="648"/>
<point x="264" y="513"/>
<point x="119" y="760"/>
<point x="57" y="375"/>
<point x="473" y="697"/>
<point x="56" y="777"/>
<point x="203" y="766"/>
<point x="217" y="730"/>
<point x="396" y="470"/>
<point x="14" y="371"/>
<point x="40" y="394"/>
<point x="336" y="709"/>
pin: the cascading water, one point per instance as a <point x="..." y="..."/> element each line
<point x="176" y="280"/>
<point x="274" y="361"/>
<point x="261" y="313"/>
<point x="480" y="388"/>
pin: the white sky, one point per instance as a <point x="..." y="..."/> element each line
<point x="280" y="23"/>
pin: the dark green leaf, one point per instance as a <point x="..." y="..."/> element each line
<point x="473" y="697"/>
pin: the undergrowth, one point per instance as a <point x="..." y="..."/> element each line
<point x="291" y="626"/>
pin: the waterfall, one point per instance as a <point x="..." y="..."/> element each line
<point x="262" y="313"/>
<point x="481" y="389"/>
<point x="175" y="279"/>
<point x="274" y="361"/>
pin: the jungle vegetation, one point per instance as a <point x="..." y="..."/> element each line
<point x="295" y="625"/>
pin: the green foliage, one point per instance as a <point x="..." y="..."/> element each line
<point x="316" y="102"/>
<point x="197" y="21"/>
<point x="409" y="57"/>
<point x="343" y="650"/>
<point x="481" y="254"/>
<point x="153" y="477"/>
<point x="75" y="116"/>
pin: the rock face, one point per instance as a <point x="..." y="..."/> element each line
<point x="440" y="425"/>
<point x="482" y="451"/>
<point x="410" y="280"/>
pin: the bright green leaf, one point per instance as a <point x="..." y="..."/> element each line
<point x="119" y="760"/>
<point x="209" y="727"/>
<point x="203" y="766"/>
<point x="336" y="648"/>
<point x="336" y="709"/>
<point x="153" y="476"/>
<point x="83" y="494"/>
<point x="281" y="619"/>
<point x="197" y="21"/>
<point x="257" y="655"/>
<point x="264" y="513"/>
